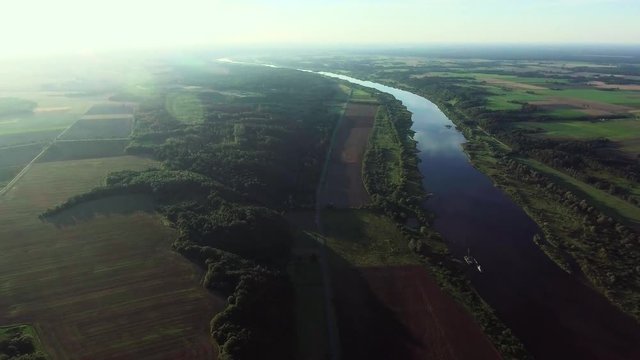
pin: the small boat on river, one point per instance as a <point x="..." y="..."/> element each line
<point x="472" y="261"/>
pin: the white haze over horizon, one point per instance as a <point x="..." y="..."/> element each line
<point x="58" y="26"/>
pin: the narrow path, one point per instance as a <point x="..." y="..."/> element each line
<point x="332" y="326"/>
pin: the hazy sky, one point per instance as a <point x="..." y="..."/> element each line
<point x="28" y="26"/>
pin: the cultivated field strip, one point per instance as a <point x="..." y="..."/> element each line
<point x="102" y="288"/>
<point x="344" y="186"/>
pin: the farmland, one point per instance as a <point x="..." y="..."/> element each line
<point x="344" y="185"/>
<point x="54" y="113"/>
<point x="616" y="130"/>
<point x="108" y="128"/>
<point x="83" y="149"/>
<point x="13" y="159"/>
<point x="101" y="287"/>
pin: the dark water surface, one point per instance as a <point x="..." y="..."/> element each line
<point x="553" y="313"/>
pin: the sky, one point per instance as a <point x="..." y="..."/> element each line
<point x="43" y="26"/>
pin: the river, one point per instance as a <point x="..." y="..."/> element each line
<point x="553" y="313"/>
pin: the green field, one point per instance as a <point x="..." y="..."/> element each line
<point x="83" y="149"/>
<point x="565" y="113"/>
<point x="507" y="95"/>
<point x="626" y="98"/>
<point x="364" y="238"/>
<point x="13" y="159"/>
<point x="103" y="287"/>
<point x="510" y="99"/>
<point x="116" y="128"/>
<point x="537" y="81"/>
<point x="29" y="137"/>
<point x="55" y="112"/>
<point x="110" y="109"/>
<point x="18" y="155"/>
<point x="623" y="129"/>
<point x="359" y="95"/>
<point x="27" y="123"/>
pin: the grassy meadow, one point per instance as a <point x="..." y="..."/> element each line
<point x="116" y="128"/>
<point x="615" y="130"/>
<point x="83" y="149"/>
<point x="364" y="238"/>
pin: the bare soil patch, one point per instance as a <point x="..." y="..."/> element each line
<point x="588" y="107"/>
<point x="603" y="85"/>
<point x="400" y="312"/>
<point x="344" y="186"/>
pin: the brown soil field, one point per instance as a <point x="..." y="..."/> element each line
<point x="344" y="186"/>
<point x="588" y="107"/>
<point x="603" y="85"/>
<point x="513" y="85"/>
<point x="400" y="312"/>
<point x="102" y="284"/>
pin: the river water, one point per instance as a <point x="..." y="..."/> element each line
<point x="554" y="314"/>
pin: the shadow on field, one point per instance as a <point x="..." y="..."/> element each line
<point x="112" y="205"/>
<point x="367" y="328"/>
